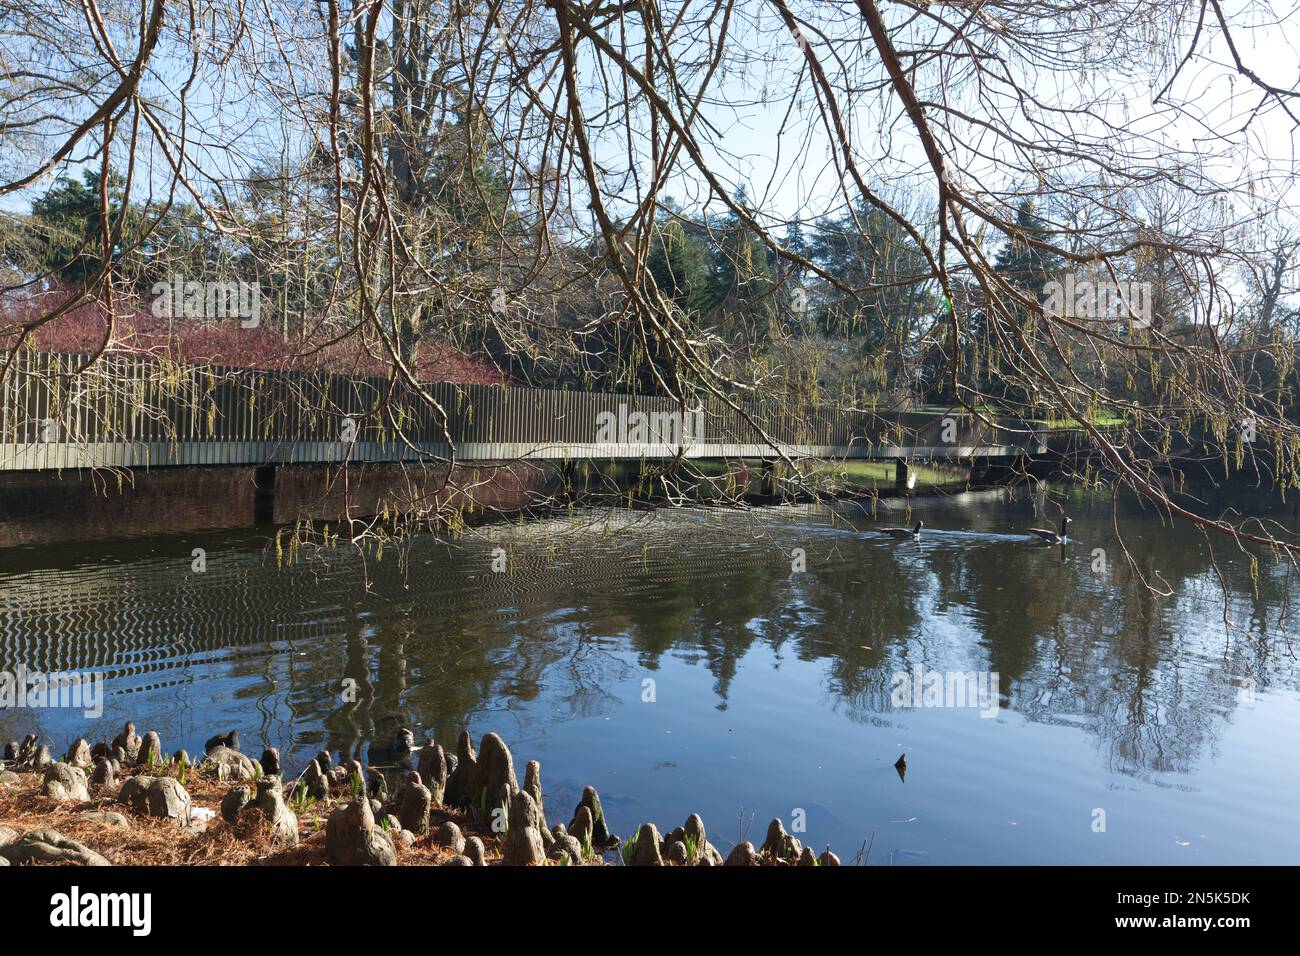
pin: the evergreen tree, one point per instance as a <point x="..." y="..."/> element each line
<point x="741" y="287"/>
<point x="871" y="254"/>
<point x="1029" y="268"/>
<point x="1019" y="261"/>
<point x="678" y="265"/>
<point x="67" y="223"/>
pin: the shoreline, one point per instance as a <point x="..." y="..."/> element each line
<point x="125" y="804"/>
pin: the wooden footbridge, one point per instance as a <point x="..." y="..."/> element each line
<point x="127" y="412"/>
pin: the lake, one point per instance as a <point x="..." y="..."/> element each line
<point x="743" y="665"/>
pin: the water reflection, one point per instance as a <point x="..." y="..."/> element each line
<point x="795" y="710"/>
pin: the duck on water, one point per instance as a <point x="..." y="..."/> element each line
<point x="902" y="534"/>
<point x="1052" y="537"/>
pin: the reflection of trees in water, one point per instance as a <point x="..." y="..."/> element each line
<point x="443" y="640"/>
<point x="1151" y="677"/>
<point x="868" y="605"/>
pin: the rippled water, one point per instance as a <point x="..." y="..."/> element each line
<point x="771" y="687"/>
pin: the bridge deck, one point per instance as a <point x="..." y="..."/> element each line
<point x="131" y="413"/>
<point x="51" y="456"/>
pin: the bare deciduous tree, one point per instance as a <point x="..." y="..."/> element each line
<point x="498" y="178"/>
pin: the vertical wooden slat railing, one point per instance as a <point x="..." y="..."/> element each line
<point x="131" y="411"/>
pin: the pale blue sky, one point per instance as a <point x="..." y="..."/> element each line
<point x="783" y="157"/>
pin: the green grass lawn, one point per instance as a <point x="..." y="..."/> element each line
<point x="1097" y="420"/>
<point x="856" y="472"/>
<point x="870" y="473"/>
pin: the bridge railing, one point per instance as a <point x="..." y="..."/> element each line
<point x="133" y="411"/>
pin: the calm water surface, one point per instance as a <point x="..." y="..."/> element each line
<point x="771" y="687"/>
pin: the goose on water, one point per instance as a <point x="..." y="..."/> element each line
<point x="902" y="534"/>
<point x="1052" y="537"/>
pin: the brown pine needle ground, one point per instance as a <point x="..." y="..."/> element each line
<point x="151" y="841"/>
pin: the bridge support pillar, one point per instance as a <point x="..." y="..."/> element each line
<point x="904" y="476"/>
<point x="264" y="494"/>
<point x="569" y="475"/>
